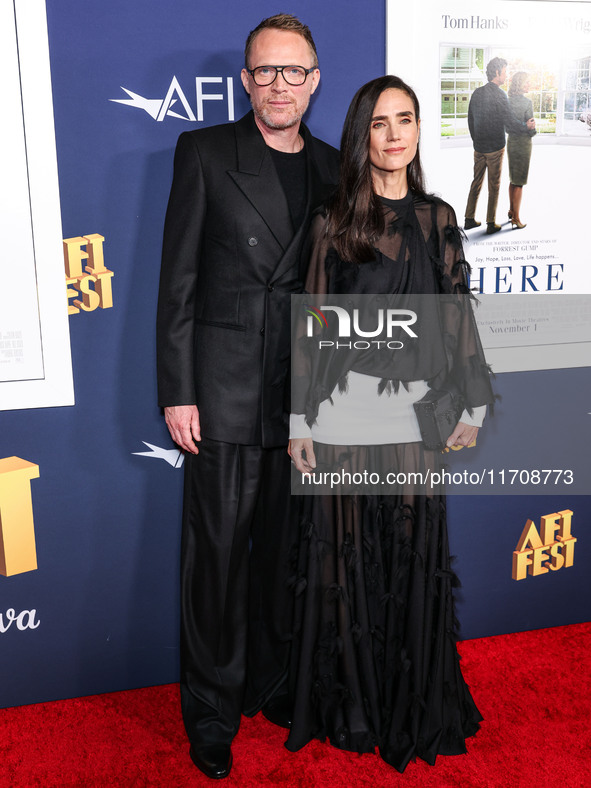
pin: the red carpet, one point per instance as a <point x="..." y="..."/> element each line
<point x="533" y="688"/>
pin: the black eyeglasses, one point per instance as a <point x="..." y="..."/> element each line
<point x="293" y="75"/>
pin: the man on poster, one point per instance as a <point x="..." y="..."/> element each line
<point x="238" y="214"/>
<point x="489" y="116"/>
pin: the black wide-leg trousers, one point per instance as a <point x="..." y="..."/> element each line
<point x="235" y="603"/>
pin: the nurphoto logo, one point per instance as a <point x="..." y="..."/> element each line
<point x="386" y="322"/>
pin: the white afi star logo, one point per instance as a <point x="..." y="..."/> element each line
<point x="159" y="109"/>
<point x="173" y="457"/>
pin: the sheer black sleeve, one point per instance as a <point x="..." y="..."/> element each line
<point x="467" y="368"/>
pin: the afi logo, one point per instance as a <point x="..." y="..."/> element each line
<point x="94" y="283"/>
<point x="18" y="553"/>
<point x="392" y="318"/>
<point x="173" y="457"/>
<point x="161" y="108"/>
<point x="549" y="549"/>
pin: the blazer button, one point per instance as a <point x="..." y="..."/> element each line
<point x="262" y="331"/>
<point x="270" y="288"/>
<point x="253" y="241"/>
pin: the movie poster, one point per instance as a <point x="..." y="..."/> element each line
<point x="523" y="197"/>
<point x="35" y="364"/>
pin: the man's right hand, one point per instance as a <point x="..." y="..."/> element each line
<point x="183" y="424"/>
<point x="531" y="123"/>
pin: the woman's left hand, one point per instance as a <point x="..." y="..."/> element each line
<point x="463" y="435"/>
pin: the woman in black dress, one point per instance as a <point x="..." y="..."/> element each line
<point x="519" y="146"/>
<point x="374" y="652"/>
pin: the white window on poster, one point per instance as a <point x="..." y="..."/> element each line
<point x="559" y="88"/>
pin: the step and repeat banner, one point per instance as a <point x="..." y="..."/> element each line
<point x="90" y="493"/>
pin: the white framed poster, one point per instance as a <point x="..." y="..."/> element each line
<point x="444" y="52"/>
<point x="35" y="360"/>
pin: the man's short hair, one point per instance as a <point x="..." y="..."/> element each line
<point x="281" y="22"/>
<point x="494" y="67"/>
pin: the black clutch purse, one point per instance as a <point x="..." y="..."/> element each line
<point x="438" y="412"/>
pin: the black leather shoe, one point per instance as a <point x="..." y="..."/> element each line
<point x="491" y="228"/>
<point x="215" y="760"/>
<point x="278" y="711"/>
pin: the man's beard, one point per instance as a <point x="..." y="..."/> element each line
<point x="276" y="120"/>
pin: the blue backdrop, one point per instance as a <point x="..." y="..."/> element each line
<point x="107" y="521"/>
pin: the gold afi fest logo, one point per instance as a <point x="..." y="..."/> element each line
<point x="17" y="530"/>
<point x="94" y="282"/>
<point x="547" y="550"/>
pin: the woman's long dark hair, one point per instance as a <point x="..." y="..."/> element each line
<point x="355" y="213"/>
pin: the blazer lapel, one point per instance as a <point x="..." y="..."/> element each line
<point x="257" y="178"/>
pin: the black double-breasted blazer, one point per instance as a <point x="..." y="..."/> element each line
<point x="231" y="260"/>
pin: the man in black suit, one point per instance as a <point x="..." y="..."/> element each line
<point x="237" y="218"/>
<point x="489" y="115"/>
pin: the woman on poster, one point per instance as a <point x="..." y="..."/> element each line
<point x="519" y="146"/>
<point x="374" y="652"/>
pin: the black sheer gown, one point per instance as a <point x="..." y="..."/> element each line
<point x="374" y="659"/>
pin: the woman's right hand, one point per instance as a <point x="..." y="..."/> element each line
<point x="301" y="451"/>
